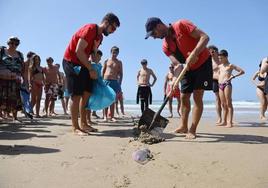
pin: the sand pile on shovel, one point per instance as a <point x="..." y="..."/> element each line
<point x="148" y="137"/>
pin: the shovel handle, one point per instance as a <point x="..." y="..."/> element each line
<point x="185" y="68"/>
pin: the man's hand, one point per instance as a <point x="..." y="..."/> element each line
<point x="191" y="59"/>
<point x="93" y="74"/>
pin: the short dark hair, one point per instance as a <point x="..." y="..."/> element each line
<point x="223" y="53"/>
<point x="213" y="48"/>
<point x="111" y="18"/>
<point x="114" y="48"/>
<point x="144" y="62"/>
<point x="99" y="52"/>
<point x="50" y="59"/>
<point x="30" y="54"/>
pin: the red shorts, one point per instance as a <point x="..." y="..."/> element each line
<point x="175" y="93"/>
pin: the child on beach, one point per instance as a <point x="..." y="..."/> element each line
<point x="225" y="87"/>
<point x="102" y="95"/>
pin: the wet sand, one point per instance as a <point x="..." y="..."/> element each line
<point x="45" y="153"/>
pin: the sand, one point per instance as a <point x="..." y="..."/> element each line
<point x="46" y="154"/>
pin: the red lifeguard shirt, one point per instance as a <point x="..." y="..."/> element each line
<point x="89" y="33"/>
<point x="185" y="42"/>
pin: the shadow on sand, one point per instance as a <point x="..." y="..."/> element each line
<point x="228" y="138"/>
<point x="25" y="149"/>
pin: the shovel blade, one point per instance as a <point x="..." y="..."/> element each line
<point x="147" y="118"/>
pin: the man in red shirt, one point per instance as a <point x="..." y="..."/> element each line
<point x="183" y="42"/>
<point x="77" y="67"/>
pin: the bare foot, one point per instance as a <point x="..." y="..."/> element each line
<point x="170" y="116"/>
<point x="263" y="118"/>
<point x="80" y="133"/>
<point x="229" y="125"/>
<point x="219" y="121"/>
<point x="113" y="120"/>
<point x="181" y="130"/>
<point x="190" y="136"/>
<point x="221" y="124"/>
<point x="105" y="119"/>
<point x="88" y="128"/>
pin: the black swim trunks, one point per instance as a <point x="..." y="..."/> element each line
<point x="77" y="83"/>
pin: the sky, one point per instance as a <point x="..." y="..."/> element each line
<point x="46" y="27"/>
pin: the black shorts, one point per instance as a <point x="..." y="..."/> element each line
<point x="77" y="83"/>
<point x="215" y="86"/>
<point x="200" y="78"/>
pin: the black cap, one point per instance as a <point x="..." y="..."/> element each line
<point x="150" y="25"/>
<point x="144" y="61"/>
<point x="223" y="53"/>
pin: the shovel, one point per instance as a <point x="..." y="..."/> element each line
<point x="151" y="119"/>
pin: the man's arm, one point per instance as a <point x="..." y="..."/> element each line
<point x="80" y="52"/>
<point x="154" y="77"/>
<point x="120" y="72"/>
<point x="138" y="75"/>
<point x="239" y="70"/>
<point x="201" y="45"/>
<point x="104" y="68"/>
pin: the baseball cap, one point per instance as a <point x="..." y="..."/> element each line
<point x="151" y="23"/>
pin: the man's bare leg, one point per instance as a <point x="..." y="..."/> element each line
<point x="112" y="112"/>
<point x="224" y="108"/>
<point x="186" y="108"/>
<point x="121" y="102"/>
<point x="228" y="94"/>
<point x="74" y="107"/>
<point x="218" y="108"/>
<point x="170" y="107"/>
<point x="47" y="100"/>
<point x="179" y="106"/>
<point x="197" y="113"/>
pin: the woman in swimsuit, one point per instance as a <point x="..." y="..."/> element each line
<point x="36" y="79"/>
<point x="260" y="92"/>
<point x="225" y="87"/>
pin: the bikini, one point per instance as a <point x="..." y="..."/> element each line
<point x="37" y="71"/>
<point x="223" y="85"/>
<point x="261" y="79"/>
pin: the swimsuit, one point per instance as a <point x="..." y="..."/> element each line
<point x="223" y="85"/>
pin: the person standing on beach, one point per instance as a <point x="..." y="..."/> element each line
<point x="36" y="82"/>
<point x="112" y="73"/>
<point x="168" y="85"/>
<point x="84" y="44"/>
<point x="52" y="76"/>
<point x="260" y="91"/>
<point x="263" y="71"/>
<point x="144" y="93"/>
<point x="11" y="62"/>
<point x="183" y="42"/>
<point x="214" y="52"/>
<point x="225" y="87"/>
<point x="25" y="69"/>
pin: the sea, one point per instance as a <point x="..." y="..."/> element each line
<point x="241" y="107"/>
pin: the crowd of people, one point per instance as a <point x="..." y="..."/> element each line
<point x="86" y="81"/>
